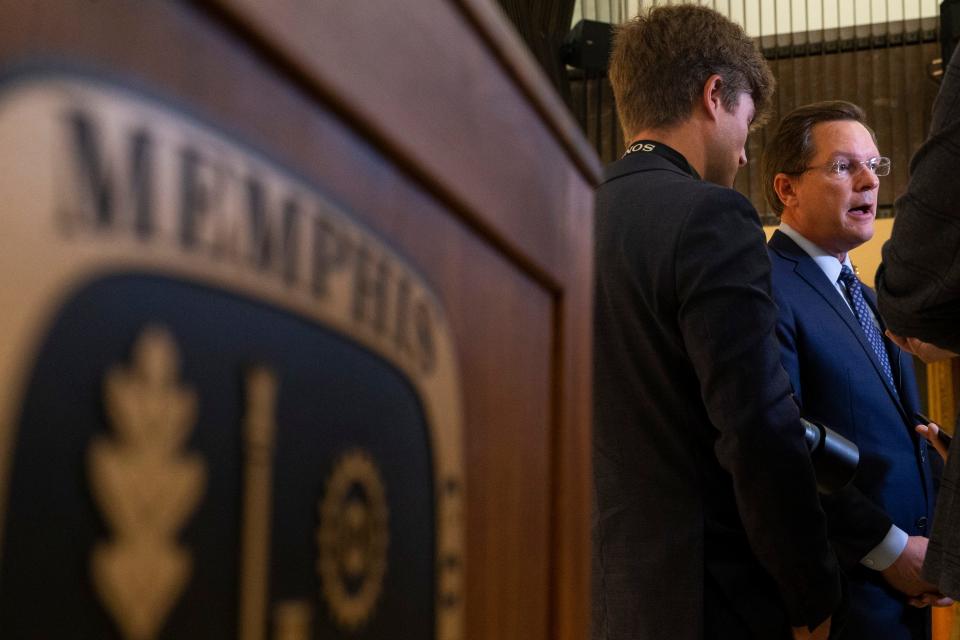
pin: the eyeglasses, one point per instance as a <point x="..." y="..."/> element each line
<point x="845" y="168"/>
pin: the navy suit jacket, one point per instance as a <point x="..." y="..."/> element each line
<point x="838" y="380"/>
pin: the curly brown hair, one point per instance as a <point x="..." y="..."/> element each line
<point x="790" y="148"/>
<point x="661" y="60"/>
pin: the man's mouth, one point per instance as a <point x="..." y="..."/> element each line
<point x="861" y="210"/>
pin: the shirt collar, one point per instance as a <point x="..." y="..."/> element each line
<point x="828" y="263"/>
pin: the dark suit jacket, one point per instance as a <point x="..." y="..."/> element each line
<point x="919" y="289"/>
<point x="838" y="380"/>
<point x="707" y="521"/>
<point x="919" y="281"/>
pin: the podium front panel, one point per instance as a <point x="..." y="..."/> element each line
<point x="273" y="366"/>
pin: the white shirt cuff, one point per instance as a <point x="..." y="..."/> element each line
<point x="886" y="553"/>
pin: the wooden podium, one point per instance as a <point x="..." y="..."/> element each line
<point x="296" y="324"/>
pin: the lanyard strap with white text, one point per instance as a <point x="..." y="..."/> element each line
<point x="662" y="150"/>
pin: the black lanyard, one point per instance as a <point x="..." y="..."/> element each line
<point x="662" y="150"/>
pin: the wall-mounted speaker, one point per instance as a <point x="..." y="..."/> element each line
<point x="588" y="45"/>
<point x="949" y="28"/>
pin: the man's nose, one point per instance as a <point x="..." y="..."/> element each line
<point x="866" y="179"/>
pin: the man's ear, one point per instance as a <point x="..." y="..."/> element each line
<point x="786" y="189"/>
<point x="710" y="99"/>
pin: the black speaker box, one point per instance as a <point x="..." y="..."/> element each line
<point x="587" y="46"/>
<point x="949" y="28"/>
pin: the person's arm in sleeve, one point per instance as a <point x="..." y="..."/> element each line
<point x="918" y="283"/>
<point x="728" y="318"/>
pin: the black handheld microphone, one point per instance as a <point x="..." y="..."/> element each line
<point x="834" y="458"/>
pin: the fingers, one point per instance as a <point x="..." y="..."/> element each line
<point x="822" y="632"/>
<point x="927" y="352"/>
<point x="929" y="433"/>
<point x="930" y="600"/>
<point x="923" y="350"/>
<point x="899" y="341"/>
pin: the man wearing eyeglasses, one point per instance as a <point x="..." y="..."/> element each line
<point x="822" y="172"/>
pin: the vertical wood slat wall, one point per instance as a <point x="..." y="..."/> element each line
<point x="884" y="68"/>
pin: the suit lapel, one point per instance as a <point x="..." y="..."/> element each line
<point x="813" y="276"/>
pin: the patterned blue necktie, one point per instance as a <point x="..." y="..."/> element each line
<point x="853" y="286"/>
